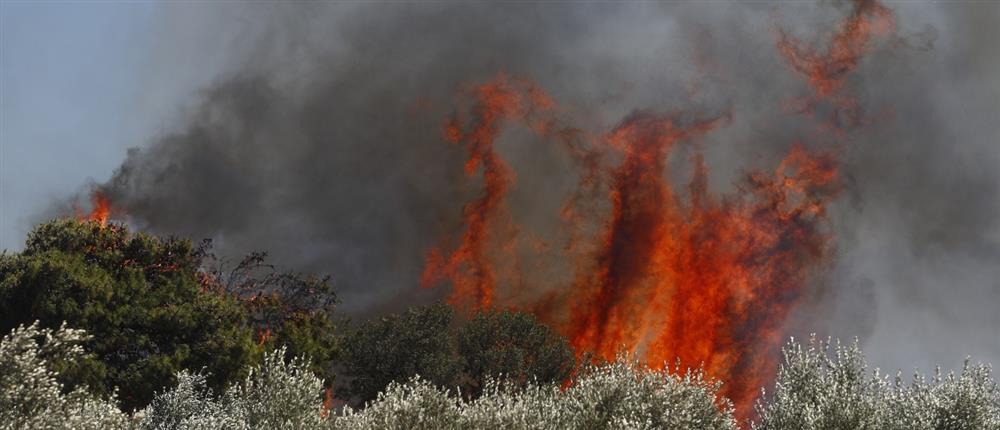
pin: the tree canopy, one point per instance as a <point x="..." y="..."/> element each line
<point x="513" y="345"/>
<point x="153" y="308"/>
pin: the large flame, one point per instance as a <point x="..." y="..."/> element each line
<point x="671" y="272"/>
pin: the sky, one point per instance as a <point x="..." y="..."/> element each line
<point x="82" y="82"/>
<point x="69" y="97"/>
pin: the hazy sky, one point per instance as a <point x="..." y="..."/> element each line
<point x="80" y="83"/>
<point x="69" y="83"/>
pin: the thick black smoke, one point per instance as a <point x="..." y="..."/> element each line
<point x="321" y="141"/>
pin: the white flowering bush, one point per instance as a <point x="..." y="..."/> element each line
<point x="190" y="406"/>
<point x="417" y="405"/>
<point x="619" y="395"/>
<point x="507" y="406"/>
<point x="279" y="394"/>
<point x="30" y="395"/>
<point x="625" y="395"/>
<point x="275" y="395"/>
<point x="820" y="389"/>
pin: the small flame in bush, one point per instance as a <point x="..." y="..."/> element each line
<point x="100" y="209"/>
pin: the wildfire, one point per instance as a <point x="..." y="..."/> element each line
<point x="100" y="209"/>
<point x="672" y="272"/>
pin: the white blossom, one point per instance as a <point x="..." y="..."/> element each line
<point x="30" y="395"/>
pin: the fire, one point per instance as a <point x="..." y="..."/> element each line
<point x="672" y="272"/>
<point x="469" y="267"/>
<point x="100" y="209"/>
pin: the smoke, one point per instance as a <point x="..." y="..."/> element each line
<point x="321" y="142"/>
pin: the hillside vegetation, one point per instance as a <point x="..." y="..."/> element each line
<point x="109" y="329"/>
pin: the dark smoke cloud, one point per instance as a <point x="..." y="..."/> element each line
<point x="321" y="141"/>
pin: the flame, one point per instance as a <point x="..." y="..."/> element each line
<point x="100" y="209"/>
<point x="826" y="72"/>
<point x="671" y="272"/>
<point x="672" y="275"/>
<point x="263" y="336"/>
<point x="468" y="266"/>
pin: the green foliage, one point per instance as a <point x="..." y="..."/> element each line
<point x="140" y="297"/>
<point x="397" y="347"/>
<point x="30" y="394"/>
<point x="515" y="346"/>
<point x="285" y="309"/>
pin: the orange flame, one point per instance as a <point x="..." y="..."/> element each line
<point x="100" y="209"/>
<point x="468" y="267"/>
<point x="671" y="272"/>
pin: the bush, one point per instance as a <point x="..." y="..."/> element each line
<point x="625" y="395"/>
<point x="417" y="405"/>
<point x="397" y="347"/>
<point x="816" y="389"/>
<point x="515" y="346"/>
<point x="283" y="308"/>
<point x="620" y="395"/>
<point x="278" y="394"/>
<point x="820" y="389"/>
<point x="30" y="394"/>
<point x="139" y="296"/>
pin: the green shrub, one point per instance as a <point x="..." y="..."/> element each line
<point x="397" y="347"/>
<point x="515" y="346"/>
<point x="141" y="299"/>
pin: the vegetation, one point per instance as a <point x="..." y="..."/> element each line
<point x="421" y="341"/>
<point x="153" y="308"/>
<point x="814" y="391"/>
<point x="397" y="347"/>
<point x="164" y="336"/>
<point x="31" y="397"/>
<point x="514" y="346"/>
<point x="817" y="389"/>
<point x="138" y="296"/>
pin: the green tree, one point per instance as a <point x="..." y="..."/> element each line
<point x="283" y="308"/>
<point x="515" y="346"/>
<point x="141" y="298"/>
<point x="396" y="347"/>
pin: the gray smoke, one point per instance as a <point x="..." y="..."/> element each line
<point x="320" y="141"/>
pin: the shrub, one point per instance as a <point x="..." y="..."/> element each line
<point x="620" y="395"/>
<point x="626" y="395"/>
<point x="190" y="405"/>
<point x="397" y="347"/>
<point x="417" y="405"/>
<point x="30" y="394"/>
<point x="277" y="394"/>
<point x="820" y="389"/>
<point x="515" y="346"/>
<point x="283" y="308"/>
<point x="137" y="295"/>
